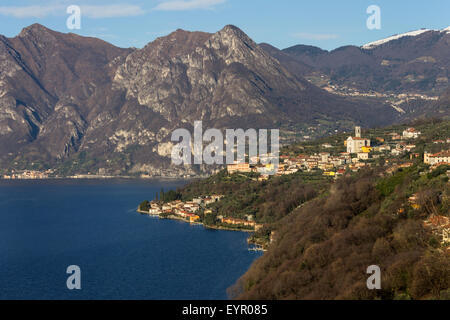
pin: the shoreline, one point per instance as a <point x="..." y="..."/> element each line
<point x="172" y="217"/>
<point x="102" y="178"/>
<point x="256" y="248"/>
<point x="113" y="180"/>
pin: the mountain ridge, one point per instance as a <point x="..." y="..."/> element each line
<point x="405" y="64"/>
<point x="67" y="99"/>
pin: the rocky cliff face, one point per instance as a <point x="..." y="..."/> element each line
<point x="198" y="76"/>
<point x="82" y="104"/>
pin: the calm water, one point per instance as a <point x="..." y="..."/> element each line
<point x="47" y="226"/>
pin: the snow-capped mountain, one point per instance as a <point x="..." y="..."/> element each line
<point x="416" y="62"/>
<point x="414" y="33"/>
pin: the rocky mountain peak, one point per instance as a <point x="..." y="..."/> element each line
<point x="233" y="37"/>
<point x="38" y="37"/>
<point x="177" y="43"/>
<point x="233" y="30"/>
<point x="37" y="31"/>
<point x="35" y="27"/>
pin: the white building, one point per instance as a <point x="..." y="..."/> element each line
<point x="363" y="155"/>
<point x="440" y="157"/>
<point x="354" y="144"/>
<point x="324" y="156"/>
<point x="154" y="211"/>
<point x="411" y="133"/>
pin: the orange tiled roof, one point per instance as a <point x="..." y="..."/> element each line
<point x="445" y="153"/>
<point x="357" y="138"/>
<point x="439" y="221"/>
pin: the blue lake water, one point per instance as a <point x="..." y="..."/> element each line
<point x="46" y="226"/>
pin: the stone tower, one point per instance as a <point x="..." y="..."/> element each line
<point x="358" y="132"/>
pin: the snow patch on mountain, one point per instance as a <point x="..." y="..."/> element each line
<point x="374" y="44"/>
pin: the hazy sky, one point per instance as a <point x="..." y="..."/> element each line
<point x="282" y="23"/>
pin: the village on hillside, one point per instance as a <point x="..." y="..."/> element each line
<point x="359" y="152"/>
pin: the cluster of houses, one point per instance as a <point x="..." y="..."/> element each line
<point x="28" y="174"/>
<point x="358" y="149"/>
<point x="399" y="144"/>
<point x="184" y="209"/>
<point x="332" y="165"/>
<point x="188" y="210"/>
<point x="323" y="160"/>
<point x="409" y="133"/>
<point x="290" y="165"/>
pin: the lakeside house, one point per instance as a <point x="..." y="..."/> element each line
<point x="155" y="211"/>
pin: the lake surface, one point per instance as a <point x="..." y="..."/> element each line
<point x="46" y="226"/>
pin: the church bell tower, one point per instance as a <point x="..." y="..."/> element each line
<point x="358" y="132"/>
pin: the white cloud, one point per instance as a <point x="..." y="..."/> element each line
<point x="315" y="36"/>
<point x="183" y="5"/>
<point x="30" y="11"/>
<point x="112" y="11"/>
<point x="102" y="36"/>
<point x="95" y="12"/>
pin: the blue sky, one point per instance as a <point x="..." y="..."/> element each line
<point x="282" y="23"/>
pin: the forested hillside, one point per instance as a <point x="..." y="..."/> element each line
<point x="324" y="248"/>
